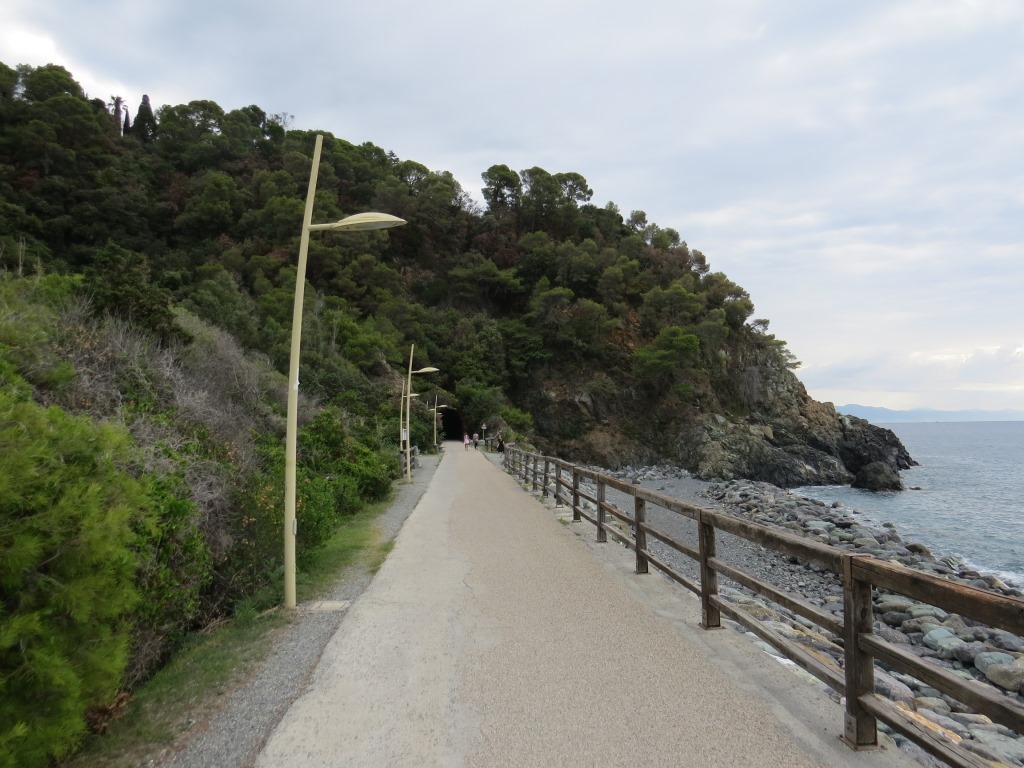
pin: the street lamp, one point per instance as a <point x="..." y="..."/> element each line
<point x="401" y="418"/>
<point x="408" y="413"/>
<point x="435" y="409"/>
<point x="358" y="222"/>
<point x="483" y="430"/>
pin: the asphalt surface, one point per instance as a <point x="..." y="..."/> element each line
<point x="498" y="634"/>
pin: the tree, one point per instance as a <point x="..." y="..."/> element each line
<point x="145" y="122"/>
<point x="214" y="206"/>
<point x="121" y="285"/>
<point x="669" y="358"/>
<point x="41" y="83"/>
<point x="67" y="568"/>
<point x="477" y="282"/>
<point x="502" y="191"/>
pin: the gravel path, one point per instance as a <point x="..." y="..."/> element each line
<point x="233" y="736"/>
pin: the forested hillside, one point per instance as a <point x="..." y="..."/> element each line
<point x="145" y="309"/>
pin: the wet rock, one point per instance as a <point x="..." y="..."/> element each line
<point x="877" y="476"/>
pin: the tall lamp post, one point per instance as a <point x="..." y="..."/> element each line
<point x="408" y="412"/>
<point x="435" y="409"/>
<point x="358" y="222"/>
<point x="403" y="445"/>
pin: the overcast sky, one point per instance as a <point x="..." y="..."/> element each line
<point x="858" y="167"/>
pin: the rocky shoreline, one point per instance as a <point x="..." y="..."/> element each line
<point x="965" y="647"/>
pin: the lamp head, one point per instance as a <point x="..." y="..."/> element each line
<point x="428" y="369"/>
<point x="362" y="221"/>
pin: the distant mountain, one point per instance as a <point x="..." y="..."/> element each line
<point x="889" y="416"/>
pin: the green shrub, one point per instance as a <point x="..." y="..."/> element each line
<point x="68" y="516"/>
<point x="175" y="569"/>
<point x="520" y="421"/>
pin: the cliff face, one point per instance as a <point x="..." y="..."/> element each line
<point x="755" y="420"/>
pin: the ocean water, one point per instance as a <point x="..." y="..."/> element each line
<point x="971" y="498"/>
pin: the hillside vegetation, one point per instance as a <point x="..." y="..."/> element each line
<point x="145" y="309"/>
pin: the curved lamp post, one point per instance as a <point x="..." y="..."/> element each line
<point x="408" y="413"/>
<point x="358" y="222"/>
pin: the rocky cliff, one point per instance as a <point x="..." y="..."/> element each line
<point x="754" y="420"/>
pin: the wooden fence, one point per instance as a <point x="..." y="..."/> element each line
<point x="860" y="574"/>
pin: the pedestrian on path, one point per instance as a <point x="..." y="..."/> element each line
<point x="465" y="440"/>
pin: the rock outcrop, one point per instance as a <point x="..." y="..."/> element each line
<point x="784" y="437"/>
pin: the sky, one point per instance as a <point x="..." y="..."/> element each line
<point x="858" y="168"/>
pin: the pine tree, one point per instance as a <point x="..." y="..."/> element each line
<point x="145" y="122"/>
<point x="67" y="567"/>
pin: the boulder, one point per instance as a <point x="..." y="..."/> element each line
<point x="1008" y="676"/>
<point x="877" y="476"/>
<point x="968" y="652"/>
<point x="984" y="660"/>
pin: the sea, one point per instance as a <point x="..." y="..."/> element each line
<point x="968" y="500"/>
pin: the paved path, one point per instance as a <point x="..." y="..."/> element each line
<point x="495" y="634"/>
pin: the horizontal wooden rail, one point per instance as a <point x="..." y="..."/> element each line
<point x="989" y="608"/>
<point x="883" y="709"/>
<point x="979" y="697"/>
<point x="860" y="573"/>
<point x="785" y="599"/>
<point x="831" y="676"/>
<point x="677" y="577"/>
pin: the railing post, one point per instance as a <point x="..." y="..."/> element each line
<point x="711" y="617"/>
<point x="575" y="495"/>
<point x="533" y="478"/>
<point x="547" y="468"/>
<point x="859" y="727"/>
<point x="602" y="535"/>
<point x="558" y="484"/>
<point x="640" y="535"/>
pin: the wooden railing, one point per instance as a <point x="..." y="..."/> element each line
<point x="860" y="574"/>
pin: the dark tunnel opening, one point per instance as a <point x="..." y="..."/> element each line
<point x="451" y="425"/>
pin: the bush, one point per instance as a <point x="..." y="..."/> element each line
<point x="68" y="516"/>
<point x="175" y="569"/>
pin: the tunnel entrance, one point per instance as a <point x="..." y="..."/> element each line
<point x="451" y="425"/>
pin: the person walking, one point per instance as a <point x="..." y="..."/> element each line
<point x="476" y="439"/>
<point x="465" y="441"/>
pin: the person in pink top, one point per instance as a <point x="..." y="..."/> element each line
<point x="465" y="440"/>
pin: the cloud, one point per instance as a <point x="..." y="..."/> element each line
<point x="943" y="378"/>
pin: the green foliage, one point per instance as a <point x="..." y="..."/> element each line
<point x="520" y="421"/>
<point x="175" y="569"/>
<point x="69" y="523"/>
<point x="668" y="358"/>
<point x="477" y="402"/>
<point x="121" y="285"/>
